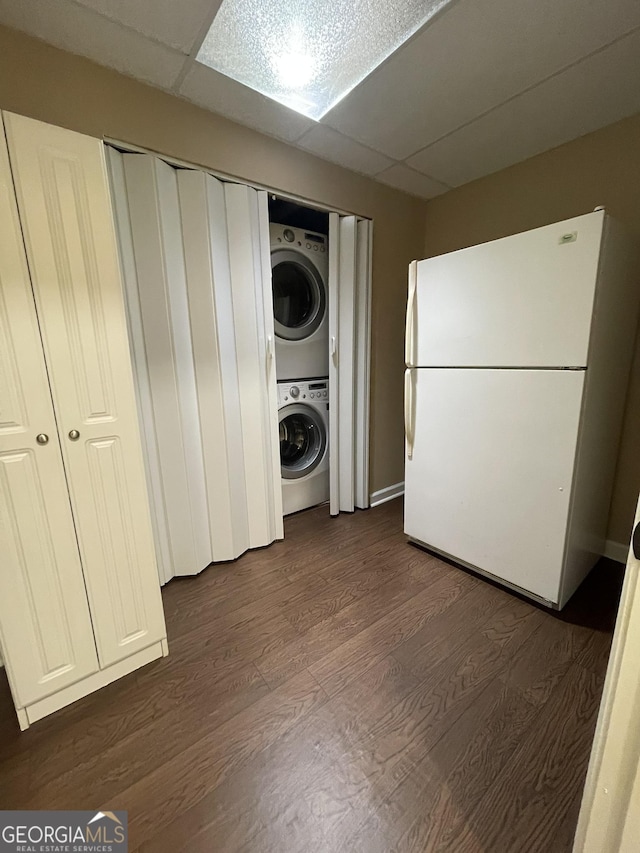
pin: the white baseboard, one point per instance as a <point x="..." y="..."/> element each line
<point x="43" y="707"/>
<point x="616" y="551"/>
<point x="386" y="494"/>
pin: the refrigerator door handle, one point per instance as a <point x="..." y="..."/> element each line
<point x="408" y="411"/>
<point x="409" y="329"/>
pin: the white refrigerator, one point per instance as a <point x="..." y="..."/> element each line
<point x="518" y="354"/>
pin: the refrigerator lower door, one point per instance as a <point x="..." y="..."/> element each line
<point x="489" y="479"/>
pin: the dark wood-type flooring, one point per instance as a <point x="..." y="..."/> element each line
<point x="340" y="690"/>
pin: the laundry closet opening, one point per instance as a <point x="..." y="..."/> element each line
<point x="249" y="322"/>
<point x="299" y="247"/>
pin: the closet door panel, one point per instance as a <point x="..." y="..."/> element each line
<point x="364" y="249"/>
<point x="255" y="373"/>
<point x="67" y="221"/>
<point x="347" y="270"/>
<point x="343" y="258"/>
<point x="154" y="214"/>
<point x="45" y="625"/>
<point x="265" y="304"/>
<point x="334" y="336"/>
<point x="141" y="373"/>
<point x="204" y="237"/>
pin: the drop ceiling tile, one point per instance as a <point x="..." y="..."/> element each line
<point x="403" y="178"/>
<point x="81" y="31"/>
<point x="474" y="56"/>
<point x="331" y="145"/>
<point x="589" y="95"/>
<point x="214" y="91"/>
<point x="176" y="24"/>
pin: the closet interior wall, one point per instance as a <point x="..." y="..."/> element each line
<point x="195" y="259"/>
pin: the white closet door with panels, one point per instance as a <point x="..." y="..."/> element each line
<point x="349" y="300"/>
<point x="64" y="205"/>
<point x="204" y="234"/>
<point x="266" y="323"/>
<point x="161" y="290"/>
<point x="248" y="229"/>
<point x="364" y="248"/>
<point x="223" y="232"/>
<point x="195" y="253"/>
<point x="45" y="626"/>
<point x="139" y="357"/>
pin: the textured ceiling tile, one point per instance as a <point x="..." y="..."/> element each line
<point x="174" y="23"/>
<point x="78" y="30"/>
<point x="403" y="178"/>
<point x="308" y="54"/>
<point x="218" y="93"/>
<point x="582" y="99"/>
<point x="477" y="54"/>
<point x="333" y="146"/>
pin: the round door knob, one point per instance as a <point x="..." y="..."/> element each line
<point x="74" y="435"/>
<point x="42" y="438"/>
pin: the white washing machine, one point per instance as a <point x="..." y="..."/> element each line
<point x="299" y="273"/>
<point x="303" y="414"/>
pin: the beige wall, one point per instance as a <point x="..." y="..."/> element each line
<point x="601" y="168"/>
<point x="42" y="82"/>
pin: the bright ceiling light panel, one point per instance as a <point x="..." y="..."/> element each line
<point x="309" y="54"/>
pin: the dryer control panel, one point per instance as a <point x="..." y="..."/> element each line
<point x="294" y="392"/>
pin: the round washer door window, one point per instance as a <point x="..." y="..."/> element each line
<point x="303" y="440"/>
<point x="299" y="298"/>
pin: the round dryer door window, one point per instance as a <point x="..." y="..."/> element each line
<point x="303" y="440"/>
<point x="299" y="298"/>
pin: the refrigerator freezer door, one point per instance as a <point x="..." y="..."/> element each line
<point x="523" y="301"/>
<point x="490" y="479"/>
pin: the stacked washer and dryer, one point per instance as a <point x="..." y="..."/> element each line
<point x="299" y="271"/>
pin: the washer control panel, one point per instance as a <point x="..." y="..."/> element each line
<point x="294" y="392"/>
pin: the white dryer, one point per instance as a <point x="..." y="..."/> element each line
<point x="299" y="273"/>
<point x="303" y="414"/>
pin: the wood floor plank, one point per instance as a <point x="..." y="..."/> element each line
<point x="237" y="605"/>
<point x="528" y="803"/>
<point x="372" y="569"/>
<point x="309" y="752"/>
<point x="331" y="632"/>
<point x="336" y="669"/>
<point x="466" y="761"/>
<point x="295" y="830"/>
<point x="133" y="753"/>
<point x="344" y="539"/>
<point x="415" y="725"/>
<point x="340" y="690"/>
<point x="508" y="620"/>
<point x="249" y="640"/>
<point x="204" y="765"/>
<point x="544" y="661"/>
<point x="447" y="630"/>
<point x="398" y="739"/>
